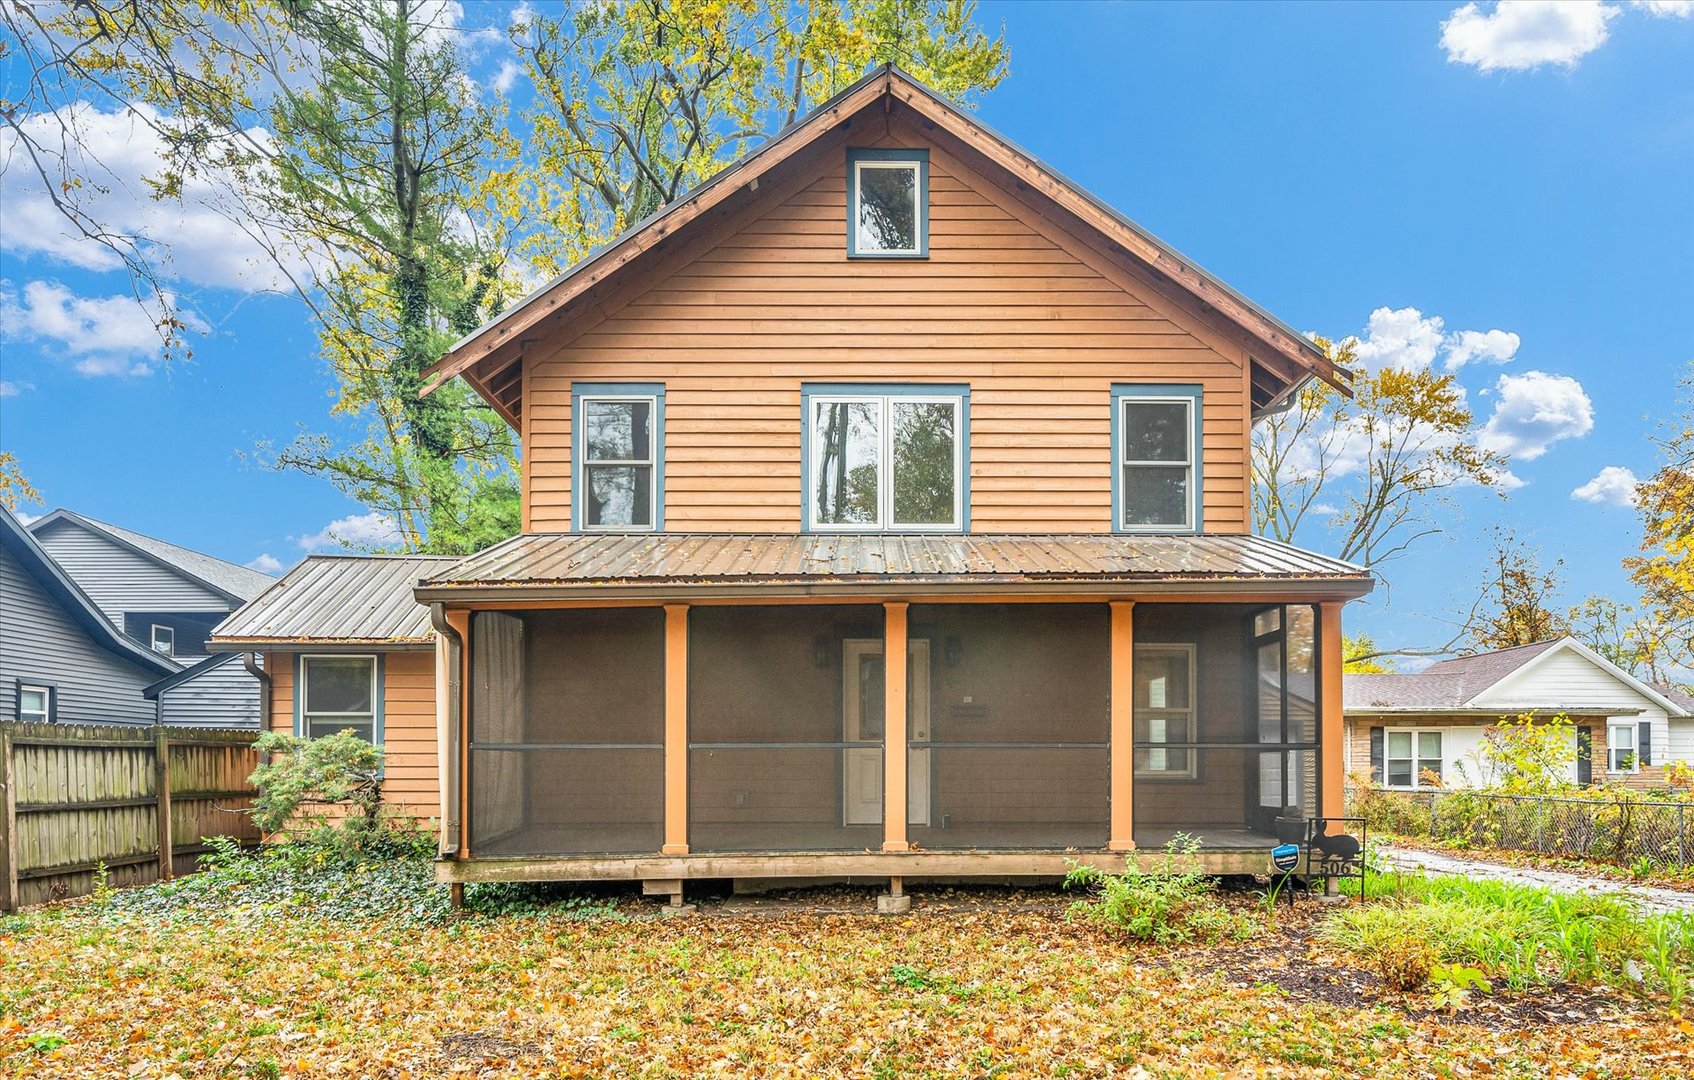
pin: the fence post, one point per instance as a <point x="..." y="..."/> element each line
<point x="167" y="844"/>
<point x="1682" y="834"/>
<point x="8" y="824"/>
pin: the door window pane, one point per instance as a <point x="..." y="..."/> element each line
<point x="925" y="462"/>
<point x="888" y="204"/>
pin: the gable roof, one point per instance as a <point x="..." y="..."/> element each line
<point x="336" y="601"/>
<point x="73" y="601"/>
<point x="1454" y="686"/>
<point x="489" y="358"/>
<point x="232" y="582"/>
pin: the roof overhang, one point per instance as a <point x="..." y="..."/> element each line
<point x="324" y="645"/>
<point x="490" y="357"/>
<point x="1440" y="712"/>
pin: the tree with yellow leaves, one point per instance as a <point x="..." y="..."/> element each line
<point x="1664" y="572"/>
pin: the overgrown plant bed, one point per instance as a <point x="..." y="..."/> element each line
<point x="1660" y="875"/>
<point x="975" y="982"/>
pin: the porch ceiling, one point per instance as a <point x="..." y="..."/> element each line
<point x="569" y="565"/>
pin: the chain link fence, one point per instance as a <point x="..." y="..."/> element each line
<point x="1618" y="831"/>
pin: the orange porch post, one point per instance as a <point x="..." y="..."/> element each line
<point x="894" y="729"/>
<point x="676" y="729"/>
<point x="1122" y="754"/>
<point x="1331" y="777"/>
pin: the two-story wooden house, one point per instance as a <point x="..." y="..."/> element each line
<point x="885" y="513"/>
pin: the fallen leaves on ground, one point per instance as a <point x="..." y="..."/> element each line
<point x="1002" y="987"/>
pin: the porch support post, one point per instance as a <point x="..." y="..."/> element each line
<point x="1122" y="754"/>
<point x="894" y="729"/>
<point x="676" y="730"/>
<point x="1332" y="774"/>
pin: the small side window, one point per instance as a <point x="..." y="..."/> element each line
<point x="888" y="204"/>
<point x="35" y="704"/>
<point x="338" y="693"/>
<point x="163" y="640"/>
<point x="619" y="471"/>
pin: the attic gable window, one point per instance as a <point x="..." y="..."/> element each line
<point x="888" y="204"/>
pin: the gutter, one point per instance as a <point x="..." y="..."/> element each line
<point x="450" y="790"/>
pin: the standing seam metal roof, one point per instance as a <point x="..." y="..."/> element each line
<point x="364" y="599"/>
<point x="563" y="559"/>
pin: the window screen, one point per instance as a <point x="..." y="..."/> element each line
<point x="338" y="693"/>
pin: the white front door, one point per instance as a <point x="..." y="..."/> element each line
<point x="862" y="721"/>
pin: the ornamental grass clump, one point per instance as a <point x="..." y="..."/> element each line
<point x="1172" y="904"/>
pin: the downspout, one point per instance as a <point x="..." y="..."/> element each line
<point x="450" y="789"/>
<point x="250" y="661"/>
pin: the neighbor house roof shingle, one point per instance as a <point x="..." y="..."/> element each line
<point x="237" y="582"/>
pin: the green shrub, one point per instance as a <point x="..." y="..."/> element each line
<point x="1171" y="904"/>
<point x="340" y="770"/>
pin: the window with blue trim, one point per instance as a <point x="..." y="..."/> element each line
<point x="888" y="204"/>
<point x="1156" y="456"/>
<point x="619" y="475"/>
<point x="886" y="458"/>
<point x="338" y="692"/>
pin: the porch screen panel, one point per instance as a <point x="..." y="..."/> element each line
<point x="785" y="754"/>
<point x="1010" y="748"/>
<point x="1249" y="756"/>
<point x="567" y="732"/>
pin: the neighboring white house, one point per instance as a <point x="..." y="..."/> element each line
<point x="1402" y="727"/>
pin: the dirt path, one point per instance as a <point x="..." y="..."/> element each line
<point x="1649" y="897"/>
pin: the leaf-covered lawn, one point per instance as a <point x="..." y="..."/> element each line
<point x="1008" y="987"/>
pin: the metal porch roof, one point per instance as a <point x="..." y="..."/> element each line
<point x="336" y="600"/>
<point x="574" y="564"/>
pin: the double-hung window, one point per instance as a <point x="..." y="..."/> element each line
<point x="1622" y="753"/>
<point x="886" y="459"/>
<point x="888" y="204"/>
<point x="35" y="704"/>
<point x="1412" y="759"/>
<point x="1164" y="710"/>
<point x="337" y="693"/>
<point x="619" y="477"/>
<point x="1156" y="451"/>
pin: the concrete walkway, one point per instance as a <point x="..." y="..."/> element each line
<point x="1647" y="896"/>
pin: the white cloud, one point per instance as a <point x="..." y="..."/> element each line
<point x="266" y="564"/>
<point x="359" y="531"/>
<point x="1490" y="347"/>
<point x="105" y="335"/>
<point x="1668" y="9"/>
<point x="1614" y="485"/>
<point x="1407" y="339"/>
<point x="1533" y="411"/>
<point x="1519" y="35"/>
<point x="507" y="76"/>
<point x="201" y="238"/>
<point x="9" y="388"/>
<point x="26" y="520"/>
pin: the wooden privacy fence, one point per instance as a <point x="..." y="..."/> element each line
<point x="139" y="800"/>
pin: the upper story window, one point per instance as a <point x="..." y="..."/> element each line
<point x="1156" y="455"/>
<point x="338" y="693"/>
<point x="163" y="639"/>
<point x="886" y="458"/>
<point x="35" y="704"/>
<point x="888" y="204"/>
<point x="619" y="475"/>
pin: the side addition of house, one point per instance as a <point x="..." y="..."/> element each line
<point x="166" y="598"/>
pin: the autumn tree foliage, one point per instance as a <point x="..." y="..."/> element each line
<point x="1664" y="571"/>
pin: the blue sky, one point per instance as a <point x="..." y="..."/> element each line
<point x="1509" y="170"/>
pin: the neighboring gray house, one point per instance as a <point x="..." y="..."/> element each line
<point x="61" y="659"/>
<point x="165" y="598"/>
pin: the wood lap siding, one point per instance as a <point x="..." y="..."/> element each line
<point x="1030" y="318"/>
<point x="408" y="706"/>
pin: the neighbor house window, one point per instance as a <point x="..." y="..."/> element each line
<point x="163" y="639"/>
<point x="1412" y="759"/>
<point x="888" y="203"/>
<point x="1164" y="710"/>
<point x="888" y="458"/>
<point x="1622" y="753"/>
<point x="1156" y="452"/>
<point x="619" y="477"/>
<point x="35" y="704"/>
<point x="338" y="693"/>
